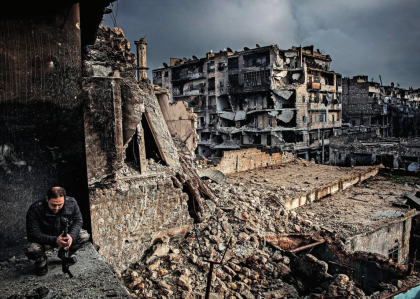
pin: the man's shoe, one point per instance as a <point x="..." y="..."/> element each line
<point x="41" y="265"/>
<point x="41" y="271"/>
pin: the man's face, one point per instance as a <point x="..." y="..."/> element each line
<point x="55" y="204"/>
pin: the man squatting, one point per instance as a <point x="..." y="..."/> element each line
<point x="45" y="227"/>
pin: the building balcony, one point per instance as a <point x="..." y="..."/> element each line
<point x="314" y="86"/>
<point x="188" y="76"/>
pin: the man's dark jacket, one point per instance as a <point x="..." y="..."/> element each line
<point x="44" y="227"/>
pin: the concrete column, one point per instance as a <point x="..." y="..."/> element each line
<point x="141" y="59"/>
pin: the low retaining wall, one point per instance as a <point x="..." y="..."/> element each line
<point x="247" y="159"/>
<point x="331" y="188"/>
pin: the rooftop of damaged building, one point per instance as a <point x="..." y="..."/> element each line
<point x="306" y="51"/>
<point x="361" y="209"/>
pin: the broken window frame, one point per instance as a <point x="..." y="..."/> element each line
<point x="256" y="78"/>
<point x="393" y="253"/>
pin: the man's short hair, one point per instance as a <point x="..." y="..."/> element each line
<point x="56" y="192"/>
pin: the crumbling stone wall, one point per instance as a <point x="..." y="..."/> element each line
<point x="130" y="216"/>
<point x="181" y="121"/>
<point x="243" y="160"/>
<point x="134" y="202"/>
<point x="397" y="234"/>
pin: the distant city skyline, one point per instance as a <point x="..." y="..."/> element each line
<point x="375" y="37"/>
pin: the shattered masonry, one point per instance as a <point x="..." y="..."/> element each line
<point x="259" y="97"/>
<point x="136" y="179"/>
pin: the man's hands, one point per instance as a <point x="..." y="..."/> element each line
<point x="64" y="242"/>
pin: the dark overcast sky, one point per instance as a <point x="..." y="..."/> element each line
<point x="363" y="37"/>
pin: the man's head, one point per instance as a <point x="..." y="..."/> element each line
<point x="55" y="198"/>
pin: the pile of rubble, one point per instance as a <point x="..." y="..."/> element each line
<point x="234" y="230"/>
<point x="251" y="237"/>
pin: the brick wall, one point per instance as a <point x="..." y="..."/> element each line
<point x="128" y="217"/>
<point x="243" y="160"/>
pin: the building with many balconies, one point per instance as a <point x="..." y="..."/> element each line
<point x="261" y="97"/>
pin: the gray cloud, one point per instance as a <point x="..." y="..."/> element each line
<point x="374" y="37"/>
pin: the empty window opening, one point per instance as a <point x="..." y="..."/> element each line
<point x="187" y="72"/>
<point x="257" y="78"/>
<point x="205" y="136"/>
<point x="178" y="89"/>
<point x="157" y="75"/>
<point x="257" y="139"/>
<point x="195" y="102"/>
<point x="257" y="59"/>
<point x="218" y="139"/>
<point x="132" y="153"/>
<point x="292" y="137"/>
<point x="212" y="84"/>
<point x="210" y="66"/>
<point x="201" y="122"/>
<point x="329" y="79"/>
<point x="152" y="149"/>
<point x="227" y="123"/>
<point x="268" y="139"/>
<point x="223" y="104"/>
<point x="234" y="80"/>
<point x="233" y="63"/>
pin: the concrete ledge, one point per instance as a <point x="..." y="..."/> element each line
<point x="331" y="188"/>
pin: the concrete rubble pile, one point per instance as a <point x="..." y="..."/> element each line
<point x="236" y="226"/>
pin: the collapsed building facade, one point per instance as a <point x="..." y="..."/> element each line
<point x="379" y="125"/>
<point x="288" y="99"/>
<point x="373" y="110"/>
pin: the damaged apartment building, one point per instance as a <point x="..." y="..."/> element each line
<point x="373" y="110"/>
<point x="261" y="97"/>
<point x="379" y="125"/>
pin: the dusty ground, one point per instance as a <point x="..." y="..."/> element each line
<point x="292" y="179"/>
<point x="360" y="208"/>
<point x="93" y="278"/>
